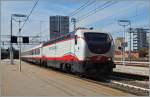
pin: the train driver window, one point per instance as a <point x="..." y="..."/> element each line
<point x="75" y="39"/>
<point x="38" y="51"/>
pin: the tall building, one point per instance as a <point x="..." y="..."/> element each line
<point x="138" y="38"/>
<point x="148" y="40"/>
<point x="59" y="25"/>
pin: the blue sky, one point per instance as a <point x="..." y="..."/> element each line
<point x="105" y="20"/>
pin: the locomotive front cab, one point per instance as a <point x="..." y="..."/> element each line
<point x="99" y="52"/>
<point x="98" y="43"/>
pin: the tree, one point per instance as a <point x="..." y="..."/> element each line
<point x="143" y="52"/>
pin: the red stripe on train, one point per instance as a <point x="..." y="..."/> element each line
<point x="63" y="58"/>
<point x="70" y="58"/>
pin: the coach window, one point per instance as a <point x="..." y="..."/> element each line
<point x="38" y="51"/>
<point x="35" y="51"/>
<point x="75" y="39"/>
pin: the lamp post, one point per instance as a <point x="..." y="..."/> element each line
<point x="19" y="16"/>
<point x="11" y="50"/>
<point x="41" y="31"/>
<point x="73" y="20"/>
<point x="0" y="47"/>
<point x="124" y="23"/>
<point x="41" y="24"/>
<point x="130" y="29"/>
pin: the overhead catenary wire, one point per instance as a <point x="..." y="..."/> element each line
<point x="79" y="7"/>
<point x="99" y="8"/>
<point x="88" y="3"/>
<point x="29" y="14"/>
<point x="130" y="17"/>
<point x="82" y="7"/>
<point x="94" y="10"/>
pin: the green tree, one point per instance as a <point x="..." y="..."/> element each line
<point x="143" y="52"/>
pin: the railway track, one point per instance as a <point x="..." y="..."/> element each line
<point x="126" y="82"/>
<point x="130" y="83"/>
<point x="135" y="84"/>
<point x="138" y="64"/>
<point x="131" y="76"/>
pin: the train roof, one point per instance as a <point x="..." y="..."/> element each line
<point x="70" y="35"/>
<point x="58" y="38"/>
<point x="38" y="46"/>
<point x="35" y="47"/>
<point x="90" y="30"/>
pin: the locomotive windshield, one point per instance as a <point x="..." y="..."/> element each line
<point x="98" y="42"/>
<point x="96" y="37"/>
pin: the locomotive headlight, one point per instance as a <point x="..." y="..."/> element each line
<point x="109" y="59"/>
<point x="87" y="59"/>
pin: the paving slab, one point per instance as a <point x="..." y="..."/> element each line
<point x="132" y="69"/>
<point x="36" y="81"/>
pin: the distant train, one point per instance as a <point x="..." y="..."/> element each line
<point x="83" y="51"/>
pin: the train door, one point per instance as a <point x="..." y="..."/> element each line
<point x="76" y="45"/>
<point x="77" y="54"/>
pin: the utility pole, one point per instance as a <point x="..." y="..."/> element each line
<point x="58" y="32"/>
<point x="124" y="46"/>
<point x="20" y="44"/>
<point x="0" y="47"/>
<point x="41" y="31"/>
<point x="130" y="42"/>
<point x="41" y="24"/>
<point x="11" y="48"/>
<point x="149" y="48"/>
<point x="73" y="20"/>
<point x="123" y="23"/>
<point x="60" y="27"/>
<point x="19" y="16"/>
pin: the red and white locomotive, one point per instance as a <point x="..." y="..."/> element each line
<point x="83" y="51"/>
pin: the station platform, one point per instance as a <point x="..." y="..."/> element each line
<point x="144" y="71"/>
<point x="37" y="81"/>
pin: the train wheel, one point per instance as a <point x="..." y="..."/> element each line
<point x="68" y="67"/>
<point x="40" y="63"/>
<point x="45" y="64"/>
<point x="110" y="70"/>
<point x="62" y="66"/>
